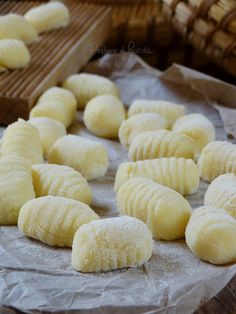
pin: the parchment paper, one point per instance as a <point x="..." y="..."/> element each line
<point x="36" y="278"/>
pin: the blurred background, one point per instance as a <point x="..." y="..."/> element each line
<point x="200" y="34"/>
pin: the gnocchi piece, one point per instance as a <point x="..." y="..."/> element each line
<point x="16" y="187"/>
<point x="211" y="234"/>
<point x="161" y="143"/>
<point x="58" y="180"/>
<point x="22" y="139"/>
<point x="88" y="157"/>
<point x="110" y="244"/>
<point x="59" y="94"/>
<point x="50" y="131"/>
<point x="86" y="86"/>
<point x="217" y="158"/>
<point x="138" y="124"/>
<point x="165" y="211"/>
<point x="178" y="174"/>
<point x="13" y="54"/>
<point x="103" y="115"/>
<point x="56" y="103"/>
<point x="49" y="16"/>
<point x="54" y="110"/>
<point x="14" y="26"/>
<point x="54" y="220"/>
<point x="221" y="193"/>
<point x="198" y="127"/>
<point x="170" y="111"/>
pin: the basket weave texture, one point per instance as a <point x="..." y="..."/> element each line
<point x="209" y="25"/>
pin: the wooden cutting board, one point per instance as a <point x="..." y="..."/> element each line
<point x="58" y="54"/>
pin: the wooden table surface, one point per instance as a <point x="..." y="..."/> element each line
<point x="223" y="303"/>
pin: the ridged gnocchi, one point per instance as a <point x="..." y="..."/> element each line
<point x="13" y="54"/>
<point x="56" y="103"/>
<point x="54" y="220"/>
<point x="50" y="131"/>
<point x="16" y="187"/>
<point x="49" y="16"/>
<point x="110" y="244"/>
<point x="165" y="211"/>
<point x="170" y="111"/>
<point x="14" y="26"/>
<point x="138" y="124"/>
<point x="58" y="94"/>
<point x="161" y="143"/>
<point x="87" y="156"/>
<point x="221" y="193"/>
<point x="103" y="115"/>
<point x="22" y="139"/>
<point x="217" y="158"/>
<point x="59" y="180"/>
<point x="198" y="127"/>
<point x="86" y="86"/>
<point x="211" y="234"/>
<point x="178" y="174"/>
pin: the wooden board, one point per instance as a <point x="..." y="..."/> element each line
<point x="58" y="54"/>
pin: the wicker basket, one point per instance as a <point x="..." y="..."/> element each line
<point x="209" y="25"/>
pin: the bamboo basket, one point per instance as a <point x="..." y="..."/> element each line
<point x="138" y="21"/>
<point x="209" y="26"/>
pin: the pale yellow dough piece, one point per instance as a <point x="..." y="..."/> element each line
<point x="14" y="26"/>
<point x="58" y="94"/>
<point x="22" y="139"/>
<point x="103" y="116"/>
<point x="13" y="54"/>
<point x="170" y="111"/>
<point x="221" y="193"/>
<point x="50" y="131"/>
<point x="161" y="143"/>
<point x="49" y="16"/>
<point x="138" y="124"/>
<point x="87" y="156"/>
<point x="59" y="180"/>
<point x="56" y="103"/>
<point x="86" y="86"/>
<point x="165" y="211"/>
<point x="16" y="187"/>
<point x="217" y="158"/>
<point x="110" y="244"/>
<point x="198" y="127"/>
<point x="178" y="174"/>
<point x="54" y="220"/>
<point x="211" y="234"/>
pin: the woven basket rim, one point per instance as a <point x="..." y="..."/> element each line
<point x="208" y="26"/>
